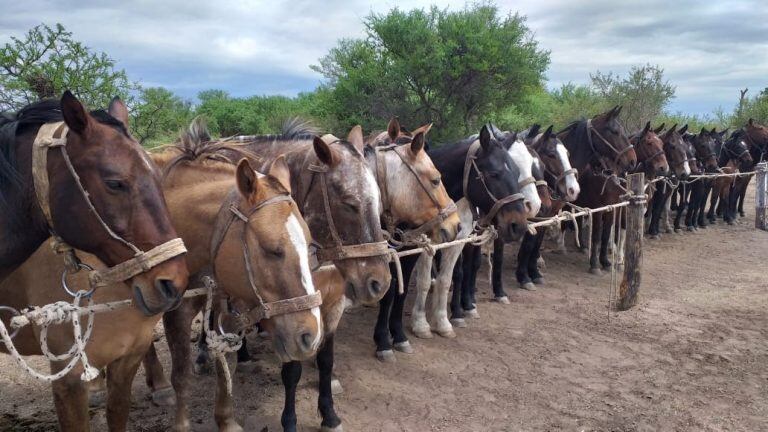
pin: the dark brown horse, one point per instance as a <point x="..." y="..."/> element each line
<point x="121" y="183"/>
<point x="601" y="151"/>
<point x="675" y="149"/>
<point x="756" y="137"/>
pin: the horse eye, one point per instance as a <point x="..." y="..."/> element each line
<point x="493" y="174"/>
<point x="116" y="185"/>
<point x="276" y="252"/>
<point x="436" y="182"/>
<point x="351" y="207"/>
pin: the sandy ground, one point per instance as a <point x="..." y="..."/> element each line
<point x="691" y="356"/>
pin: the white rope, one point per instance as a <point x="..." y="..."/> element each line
<point x="220" y="344"/>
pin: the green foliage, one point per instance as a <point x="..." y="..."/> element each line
<point x="47" y="61"/>
<point x="455" y="69"/>
<point x="158" y="115"/>
<point x="755" y="108"/>
<point x="694" y="122"/>
<point x="644" y="93"/>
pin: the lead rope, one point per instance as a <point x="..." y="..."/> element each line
<point x="220" y="344"/>
<point x="57" y="313"/>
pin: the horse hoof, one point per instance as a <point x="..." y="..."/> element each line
<point x="596" y="271"/>
<point x="528" y="286"/>
<point x="472" y="313"/>
<point x="386" y="356"/>
<point x="742" y="214"/>
<point x="164" y="397"/>
<point x="423" y="333"/>
<point x="541" y="263"/>
<point x="730" y="223"/>
<point x="447" y="333"/>
<point x="458" y="322"/>
<point x="97" y="399"/>
<point x="331" y="429"/>
<point x="538" y="281"/>
<point x="336" y="388"/>
<point x="502" y="300"/>
<point x="230" y="426"/>
<point x="405" y="347"/>
<point x="690" y="229"/>
<point x="654" y="236"/>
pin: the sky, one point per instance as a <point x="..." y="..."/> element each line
<point x="709" y="49"/>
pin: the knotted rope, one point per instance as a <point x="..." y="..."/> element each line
<point x="220" y="344"/>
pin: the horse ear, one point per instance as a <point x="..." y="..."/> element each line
<point x="548" y="132"/>
<point x="246" y="178"/>
<point x="393" y="129"/>
<point x="118" y="110"/>
<point x="703" y="131"/>
<point x="417" y="143"/>
<point x="485" y="138"/>
<point x="713" y="131"/>
<point x="323" y="151"/>
<point x="75" y="115"/>
<point x="355" y="137"/>
<point x="683" y="130"/>
<point x="659" y="129"/>
<point x="534" y="130"/>
<point x="751" y="122"/>
<point x="280" y="171"/>
<point x="646" y="128"/>
<point x="618" y="110"/>
<point x="423" y="129"/>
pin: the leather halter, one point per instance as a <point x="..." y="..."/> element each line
<point x="230" y="212"/>
<point x="763" y="148"/>
<point x="407" y="236"/>
<point x="339" y="251"/>
<point x="54" y="136"/>
<point x="641" y="163"/>
<point x="469" y="165"/>
<point x="558" y="178"/>
<point x="619" y="153"/>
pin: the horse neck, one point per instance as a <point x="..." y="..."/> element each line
<point x="581" y="153"/>
<point x="22" y="225"/>
<point x="194" y="193"/>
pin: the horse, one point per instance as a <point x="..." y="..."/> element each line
<point x="600" y="150"/>
<point x="81" y="176"/>
<point x="481" y="170"/>
<point x="675" y="150"/>
<point x="239" y="220"/>
<point x="703" y="145"/>
<point x="562" y="185"/>
<point x="690" y="194"/>
<point x="733" y="156"/>
<point x="756" y="137"/>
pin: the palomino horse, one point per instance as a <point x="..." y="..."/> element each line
<point x="563" y="186"/>
<point x="756" y="137"/>
<point x="675" y="149"/>
<point x="402" y="167"/>
<point x="600" y="150"/>
<point x="93" y="186"/>
<point x="481" y="170"/>
<point x="234" y="233"/>
<point x="733" y="156"/>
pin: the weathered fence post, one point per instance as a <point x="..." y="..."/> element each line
<point x="633" y="249"/>
<point x="761" y="196"/>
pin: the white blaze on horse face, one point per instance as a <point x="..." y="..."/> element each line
<point x="524" y="161"/>
<point x="296" y="234"/>
<point x="572" y="187"/>
<point x="686" y="167"/>
<point x="371" y="189"/>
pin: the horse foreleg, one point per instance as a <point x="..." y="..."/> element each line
<point x="523" y="259"/>
<point x="457" y="312"/>
<point x="178" y="325"/>
<point x="381" y="329"/>
<point x="533" y="260"/>
<point x="396" y="328"/>
<point x="700" y="219"/>
<point x="290" y="374"/>
<point x="498" y="262"/>
<point x="448" y="261"/>
<point x="423" y="273"/>
<point x="70" y="397"/>
<point x="331" y="421"/>
<point x="605" y="239"/>
<point x="224" y="411"/>
<point x="120" y="374"/>
<point x="597" y="228"/>
<point x="162" y="392"/>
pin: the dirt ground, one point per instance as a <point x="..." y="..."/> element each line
<point x="691" y="356"/>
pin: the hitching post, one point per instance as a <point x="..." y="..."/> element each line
<point x="633" y="249"/>
<point x="761" y="197"/>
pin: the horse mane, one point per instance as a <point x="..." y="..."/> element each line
<point x="576" y="139"/>
<point x="195" y="145"/>
<point x="297" y="127"/>
<point x="31" y="116"/>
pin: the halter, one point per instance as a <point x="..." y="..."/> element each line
<point x="340" y="251"/>
<point x="53" y="135"/>
<point x="652" y="156"/>
<point x="762" y="148"/>
<point x="591" y="129"/>
<point x="230" y="212"/>
<point x="469" y="164"/>
<point x="558" y="177"/>
<point x="407" y="236"/>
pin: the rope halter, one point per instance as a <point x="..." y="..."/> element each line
<point x="54" y="136"/>
<point x="619" y="153"/>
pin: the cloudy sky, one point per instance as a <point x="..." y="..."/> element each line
<point x="708" y="48"/>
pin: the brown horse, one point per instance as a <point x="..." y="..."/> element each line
<point x="650" y="153"/>
<point x="756" y="137"/>
<point x="100" y="156"/>
<point x="675" y="150"/>
<point x="601" y="151"/>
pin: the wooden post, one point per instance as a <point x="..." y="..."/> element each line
<point x="761" y="197"/>
<point x="633" y="248"/>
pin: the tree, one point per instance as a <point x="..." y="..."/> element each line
<point x="455" y="69"/>
<point x="644" y="93"/>
<point x="47" y="60"/>
<point x="157" y="113"/>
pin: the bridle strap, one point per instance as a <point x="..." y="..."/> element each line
<point x="229" y="213"/>
<point x="53" y="135"/>
<point x="619" y="153"/>
<point x="469" y="164"/>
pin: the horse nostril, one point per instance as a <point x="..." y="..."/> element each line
<point x="571" y="191"/>
<point x="306" y="340"/>
<point x="374" y="286"/>
<point x="458" y="227"/>
<point x="166" y="287"/>
<point x="528" y="206"/>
